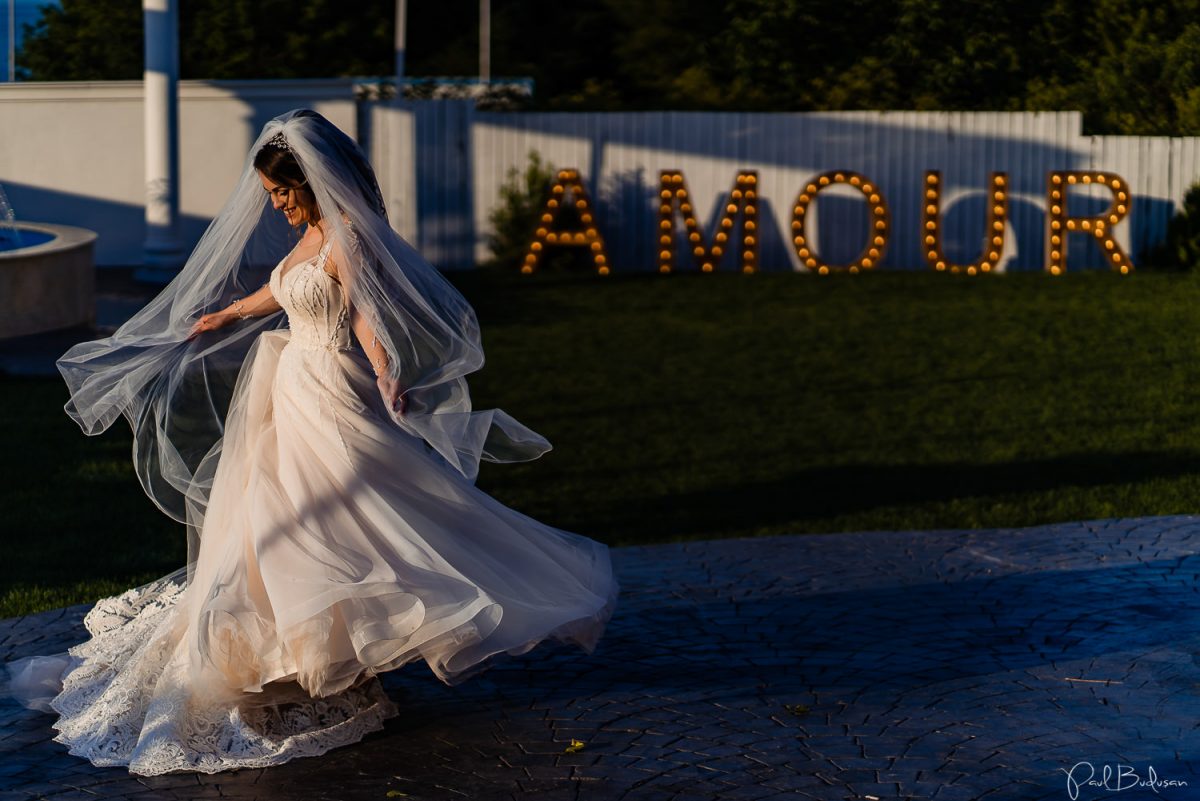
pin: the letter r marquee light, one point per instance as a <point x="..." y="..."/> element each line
<point x="1060" y="224"/>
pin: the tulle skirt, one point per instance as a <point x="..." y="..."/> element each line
<point x="334" y="546"/>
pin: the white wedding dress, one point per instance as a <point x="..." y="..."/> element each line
<point x="335" y="546"/>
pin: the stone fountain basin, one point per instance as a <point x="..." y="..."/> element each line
<point x="48" y="286"/>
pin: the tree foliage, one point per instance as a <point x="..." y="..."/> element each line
<point x="1131" y="66"/>
<point x="102" y="40"/>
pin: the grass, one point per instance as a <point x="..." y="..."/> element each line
<point x="699" y="406"/>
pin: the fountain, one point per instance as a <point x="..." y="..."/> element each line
<point x="10" y="235"/>
<point x="47" y="275"/>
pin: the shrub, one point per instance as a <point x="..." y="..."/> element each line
<point x="1180" y="248"/>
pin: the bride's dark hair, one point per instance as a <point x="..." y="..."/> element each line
<point x="277" y="162"/>
<point x="280" y="165"/>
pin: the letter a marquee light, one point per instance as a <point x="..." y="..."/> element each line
<point x="568" y="188"/>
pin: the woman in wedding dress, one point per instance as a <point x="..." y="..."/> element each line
<point x="316" y="436"/>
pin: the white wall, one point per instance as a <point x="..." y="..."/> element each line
<point x="71" y="153"/>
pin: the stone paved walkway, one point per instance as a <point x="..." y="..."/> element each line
<point x="945" y="665"/>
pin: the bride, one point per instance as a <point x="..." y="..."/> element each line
<point x="334" y="527"/>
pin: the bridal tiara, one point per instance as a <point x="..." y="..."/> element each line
<point x="280" y="141"/>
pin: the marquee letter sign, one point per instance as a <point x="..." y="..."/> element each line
<point x="567" y="189"/>
<point x="673" y="195"/>
<point x="578" y="229"/>
<point x="931" y="226"/>
<point x="1062" y="224"/>
<point x="877" y="233"/>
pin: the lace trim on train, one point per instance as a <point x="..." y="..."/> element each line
<point x="126" y="700"/>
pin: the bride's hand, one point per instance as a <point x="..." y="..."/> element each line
<point x="392" y="392"/>
<point x="211" y="322"/>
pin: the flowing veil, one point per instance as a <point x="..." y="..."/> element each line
<point x="176" y="392"/>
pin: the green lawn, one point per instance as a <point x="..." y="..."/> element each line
<point x="696" y="406"/>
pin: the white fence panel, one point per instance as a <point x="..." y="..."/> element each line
<point x="620" y="156"/>
<point x="441" y="165"/>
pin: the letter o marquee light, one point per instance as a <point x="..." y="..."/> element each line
<point x="878" y="233"/>
<point x="1060" y="224"/>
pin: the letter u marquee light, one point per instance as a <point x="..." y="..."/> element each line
<point x="931" y="226"/>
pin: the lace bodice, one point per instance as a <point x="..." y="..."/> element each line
<point x="315" y="302"/>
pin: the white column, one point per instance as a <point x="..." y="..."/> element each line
<point x="162" y="252"/>
<point x="12" y="40"/>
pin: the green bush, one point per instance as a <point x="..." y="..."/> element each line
<point x="522" y="202"/>
<point x="522" y="198"/>
<point x="1180" y="249"/>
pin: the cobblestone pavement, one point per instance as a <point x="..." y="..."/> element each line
<point x="939" y="665"/>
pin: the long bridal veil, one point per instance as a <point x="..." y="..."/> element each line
<point x="176" y="393"/>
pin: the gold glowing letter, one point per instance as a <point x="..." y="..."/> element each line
<point x="878" y="233"/>
<point x="931" y="226"/>
<point x="568" y="188"/>
<point x="1099" y="226"/>
<point x="743" y="200"/>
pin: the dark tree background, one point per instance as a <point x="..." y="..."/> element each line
<point x="1132" y="66"/>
